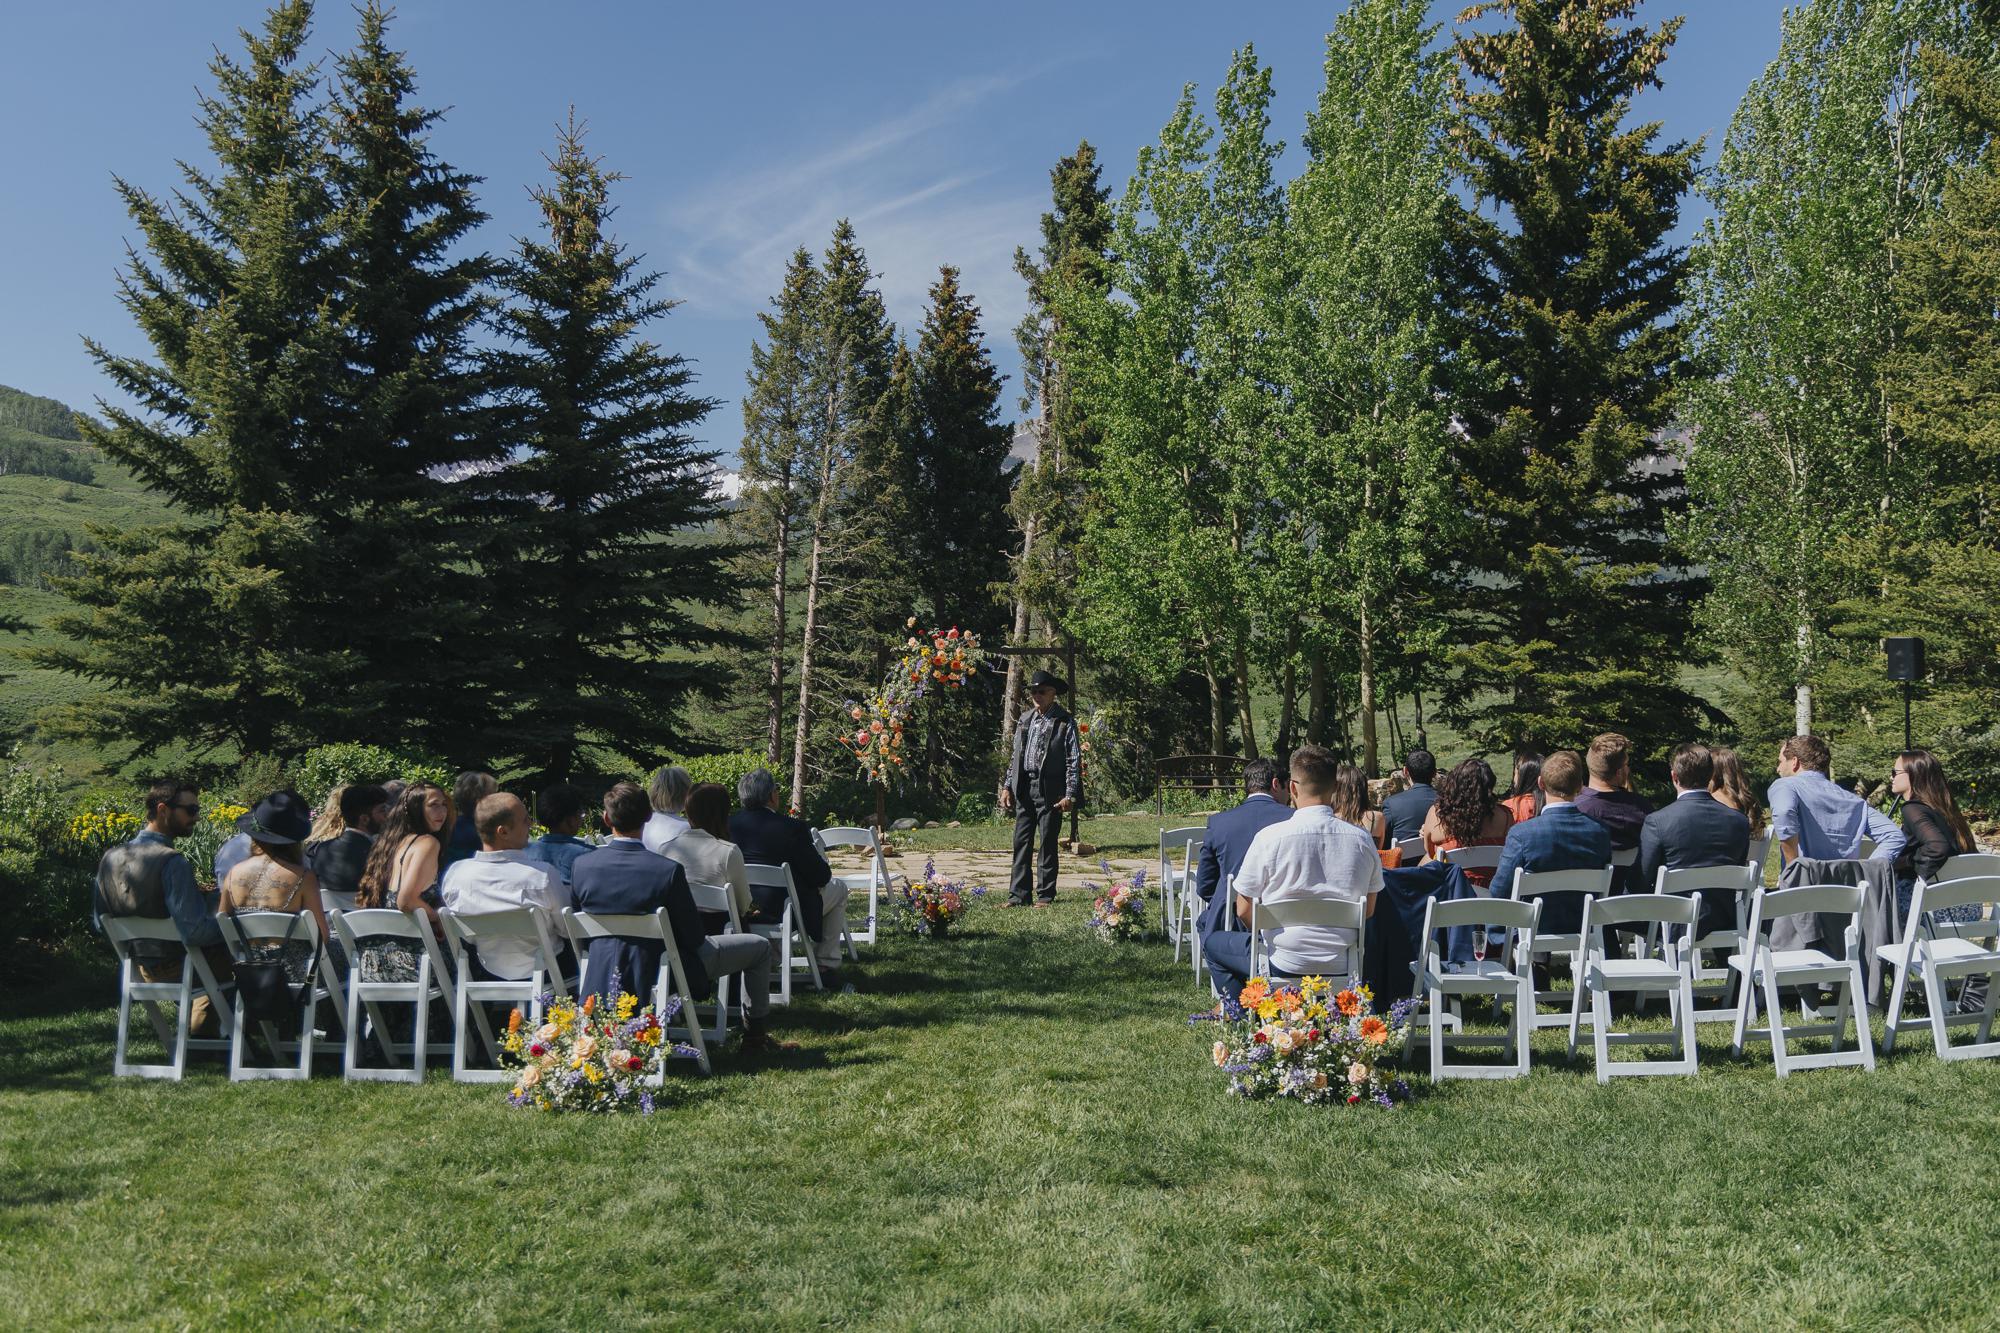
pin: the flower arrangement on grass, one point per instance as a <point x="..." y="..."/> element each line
<point x="588" y="1056"/>
<point x="1309" y="1042"/>
<point x="928" y="906"/>
<point x="1118" y="912"/>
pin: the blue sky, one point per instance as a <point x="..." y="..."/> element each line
<point x="745" y="131"/>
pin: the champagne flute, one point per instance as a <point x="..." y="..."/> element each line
<point x="1478" y="944"/>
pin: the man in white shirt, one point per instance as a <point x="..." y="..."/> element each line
<point x="500" y="877"/>
<point x="1312" y="855"/>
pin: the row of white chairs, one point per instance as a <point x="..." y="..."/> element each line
<point x="358" y="1004"/>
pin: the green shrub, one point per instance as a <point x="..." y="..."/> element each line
<point x="974" y="807"/>
<point x="319" y="771"/>
<point x="723" y="768"/>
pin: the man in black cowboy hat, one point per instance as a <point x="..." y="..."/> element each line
<point x="1044" y="780"/>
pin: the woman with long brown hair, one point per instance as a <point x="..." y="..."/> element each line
<point x="1351" y="803"/>
<point x="1931" y="821"/>
<point x="1468" y="815"/>
<point x="402" y="872"/>
<point x="1732" y="788"/>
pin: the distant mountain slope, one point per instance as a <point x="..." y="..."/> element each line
<point x="36" y="415"/>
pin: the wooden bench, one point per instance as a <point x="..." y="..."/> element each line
<point x="1195" y="772"/>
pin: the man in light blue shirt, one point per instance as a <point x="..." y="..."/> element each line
<point x="1812" y="817"/>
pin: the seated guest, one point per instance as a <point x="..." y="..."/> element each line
<point x="339" y="862"/>
<point x="561" y="809"/>
<point x="394" y="789"/>
<point x="1936" y="832"/>
<point x="623" y="877"/>
<point x="1731" y="786"/>
<point x="328" y="823"/>
<point x="1227" y="838"/>
<point x="1313" y="854"/>
<point x="1812" y="817"/>
<point x="1610" y="800"/>
<point x="274" y="878"/>
<point x="1562" y="837"/>
<point x="1351" y="803"/>
<point x="668" y="792"/>
<point x="1405" y="810"/>
<point x="1524" y="795"/>
<point x="146" y="877"/>
<point x="501" y="877"/>
<point x="402" y="875"/>
<point x="771" y="839"/>
<point x="705" y="851"/>
<point x="233" y="852"/>
<point x="1466" y="815"/>
<point x="466" y="794"/>
<point x="1695" y="830"/>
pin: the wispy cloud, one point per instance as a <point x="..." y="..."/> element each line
<point x="903" y="181"/>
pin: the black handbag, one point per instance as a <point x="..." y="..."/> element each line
<point x="268" y="995"/>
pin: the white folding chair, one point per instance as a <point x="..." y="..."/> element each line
<point x="1762" y="966"/>
<point x="1625" y="856"/>
<point x="791" y="926"/>
<point x="1944" y="951"/>
<point x="876" y="877"/>
<point x="175" y="1039"/>
<point x="1475" y="858"/>
<point x="583" y="927"/>
<point x="1867" y="848"/>
<point x="239" y="929"/>
<point x="1188" y="913"/>
<point x="1172" y="886"/>
<point x="433" y="982"/>
<point x="1760" y="852"/>
<point x="1529" y="884"/>
<point x="1339" y="913"/>
<point x="1668" y="974"/>
<point x="1714" y="983"/>
<point x="1412" y="849"/>
<point x="716" y="898"/>
<point x="1442" y="987"/>
<point x="529" y="926"/>
<point x="1192" y="916"/>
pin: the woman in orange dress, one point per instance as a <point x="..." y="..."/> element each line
<point x="1467" y="815"/>
<point x="1524" y="799"/>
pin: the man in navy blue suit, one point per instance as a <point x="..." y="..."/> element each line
<point x="623" y="877"/>
<point x="1404" y="812"/>
<point x="1228" y="837"/>
<point x="768" y="838"/>
<point x="1695" y="830"/>
<point x="1562" y="837"/>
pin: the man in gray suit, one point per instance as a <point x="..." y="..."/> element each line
<point x="1044" y="782"/>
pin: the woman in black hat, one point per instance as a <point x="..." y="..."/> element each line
<point x="1044" y="781"/>
<point x="274" y="878"/>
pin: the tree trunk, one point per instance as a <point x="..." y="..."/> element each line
<point x="774" y="722"/>
<point x="1288" y="690"/>
<point x="1802" y="701"/>
<point x="1010" y="698"/>
<point x="1218" y="716"/>
<point x="1423" y="737"/>
<point x="803" y="728"/>
<point x="1369" y="747"/>
<point x="1316" y="703"/>
<point x="1240" y="663"/>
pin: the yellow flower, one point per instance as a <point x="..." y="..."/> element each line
<point x="1267" y="1008"/>
<point x="626" y="1005"/>
<point x="592" y="1073"/>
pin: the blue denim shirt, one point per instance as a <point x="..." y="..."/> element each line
<point x="193" y="912"/>
<point x="1829" y="821"/>
<point x="559" y="850"/>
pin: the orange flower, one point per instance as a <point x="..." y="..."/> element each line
<point x="1348" y="1003"/>
<point x="589" y="1004"/>
<point x="1253" y="993"/>
<point x="1374" y="1031"/>
<point x="1289" y="1001"/>
<point x="514" y="1021"/>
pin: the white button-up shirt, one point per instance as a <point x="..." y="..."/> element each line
<point x="503" y="882"/>
<point x="1314" y="854"/>
<point x="661" y="831"/>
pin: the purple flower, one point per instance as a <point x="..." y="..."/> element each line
<point x="686" y="1051"/>
<point x="1206" y="1016"/>
<point x="1382" y="1100"/>
<point x="1139" y="880"/>
<point x="645" y="1103"/>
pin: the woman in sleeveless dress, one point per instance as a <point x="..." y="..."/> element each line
<point x="1466" y="815"/>
<point x="273" y="878"/>
<point x="403" y="871"/>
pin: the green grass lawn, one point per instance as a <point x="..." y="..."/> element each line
<point x="1012" y="1128"/>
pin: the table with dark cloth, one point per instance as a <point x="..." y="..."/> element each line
<point x="1394" y="932"/>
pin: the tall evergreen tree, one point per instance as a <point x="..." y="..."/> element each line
<point x="407" y="425"/>
<point x="1561" y="290"/>
<point x="195" y="627"/>
<point x="775" y="469"/>
<point x="1359" y="463"/>
<point x="1048" y="498"/>
<point x="1832" y="156"/>
<point x="597" y="569"/>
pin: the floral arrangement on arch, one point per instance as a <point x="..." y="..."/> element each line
<point x="943" y="659"/>
<point x="929" y="906"/>
<point x="1118" y="911"/>
<point x="588" y="1056"/>
<point x="1309" y="1043"/>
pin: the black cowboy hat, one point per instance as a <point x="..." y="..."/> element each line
<point x="280" y="818"/>
<point x="1041" y="678"/>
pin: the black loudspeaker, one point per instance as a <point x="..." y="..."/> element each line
<point x="1906" y="658"/>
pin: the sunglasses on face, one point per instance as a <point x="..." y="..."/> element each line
<point x="189" y="809"/>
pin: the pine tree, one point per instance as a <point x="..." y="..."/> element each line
<point x="196" y="627"/>
<point x="391" y="521"/>
<point x="1561" y="288"/>
<point x="776" y="464"/>
<point x="597" y="569"/>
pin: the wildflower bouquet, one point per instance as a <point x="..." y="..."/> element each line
<point x="1306" y="1043"/>
<point x="588" y="1056"/>
<point x="931" y="904"/>
<point x="1118" y="913"/>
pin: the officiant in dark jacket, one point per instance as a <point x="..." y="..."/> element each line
<point x="1044" y="782"/>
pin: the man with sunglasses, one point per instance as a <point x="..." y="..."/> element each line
<point x="147" y="877"/>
